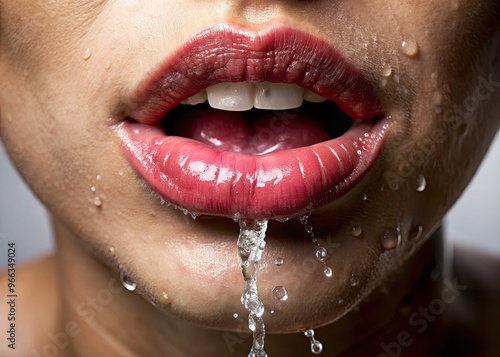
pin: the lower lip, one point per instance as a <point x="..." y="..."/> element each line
<point x="277" y="185"/>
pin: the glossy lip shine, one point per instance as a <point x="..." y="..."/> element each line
<point x="280" y="184"/>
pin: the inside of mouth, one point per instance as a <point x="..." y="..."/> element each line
<point x="258" y="131"/>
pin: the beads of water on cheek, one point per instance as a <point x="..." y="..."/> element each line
<point x="86" y="54"/>
<point x="316" y="346"/>
<point x="410" y="47"/>
<point x="387" y="71"/>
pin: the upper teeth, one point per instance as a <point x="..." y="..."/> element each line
<point x="244" y="96"/>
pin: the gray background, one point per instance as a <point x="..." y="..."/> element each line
<point x="474" y="221"/>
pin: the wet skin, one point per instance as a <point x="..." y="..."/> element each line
<point x="60" y="106"/>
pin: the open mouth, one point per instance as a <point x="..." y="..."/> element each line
<point x="260" y="125"/>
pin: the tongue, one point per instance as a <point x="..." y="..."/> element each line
<point x="265" y="132"/>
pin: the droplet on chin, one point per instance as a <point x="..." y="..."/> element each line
<point x="280" y="293"/>
<point x="278" y="261"/>
<point x="390" y="239"/>
<point x="356" y="231"/>
<point x="321" y="253"/>
<point x="126" y="282"/>
<point x="421" y="183"/>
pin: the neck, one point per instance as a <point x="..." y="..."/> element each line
<point x="101" y="318"/>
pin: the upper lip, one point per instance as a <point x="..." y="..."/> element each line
<point x="278" y="54"/>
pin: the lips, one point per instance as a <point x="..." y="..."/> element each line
<point x="212" y="180"/>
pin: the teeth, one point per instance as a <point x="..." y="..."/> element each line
<point x="313" y="97"/>
<point x="243" y="96"/>
<point x="196" y="99"/>
<point x="231" y="96"/>
<point x="277" y="96"/>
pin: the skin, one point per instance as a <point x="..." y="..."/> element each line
<point x="59" y="109"/>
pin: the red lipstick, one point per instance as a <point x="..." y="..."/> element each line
<point x="281" y="184"/>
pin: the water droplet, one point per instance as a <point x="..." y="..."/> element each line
<point x="126" y="282"/>
<point x="364" y="197"/>
<point x="87" y="54"/>
<point x="120" y="172"/>
<point x="278" y="261"/>
<point x="356" y="231"/>
<point x="251" y="243"/>
<point x="165" y="295"/>
<point x="111" y="250"/>
<point x="272" y="311"/>
<point x="97" y="201"/>
<point x="316" y="347"/>
<point x="390" y="240"/>
<point x="416" y="233"/>
<point x="410" y="47"/>
<point x="98" y="177"/>
<point x="92" y="188"/>
<point x="193" y="215"/>
<point x="328" y="272"/>
<point x="309" y="229"/>
<point x="235" y="315"/>
<point x="321" y="253"/>
<point x="280" y="293"/>
<point x="353" y="280"/>
<point x="421" y="182"/>
<point x="107" y="65"/>
<point x="387" y="71"/>
<point x="303" y="219"/>
<point x="309" y="333"/>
